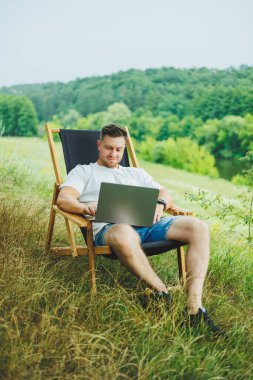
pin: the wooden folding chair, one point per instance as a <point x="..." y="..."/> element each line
<point x="79" y="147"/>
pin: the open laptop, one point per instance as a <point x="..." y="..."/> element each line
<point x="128" y="204"/>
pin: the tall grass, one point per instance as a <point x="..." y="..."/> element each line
<point x="52" y="328"/>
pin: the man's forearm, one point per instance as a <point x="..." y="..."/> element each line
<point x="69" y="203"/>
<point x="164" y="194"/>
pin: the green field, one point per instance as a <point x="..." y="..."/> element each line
<point x="50" y="326"/>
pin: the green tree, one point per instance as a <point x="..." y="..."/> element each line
<point x="69" y="120"/>
<point x="230" y="137"/>
<point x="174" y="127"/>
<point x="184" y="153"/>
<point x="145" y="124"/>
<point x="145" y="148"/>
<point x="207" y="134"/>
<point x="169" y="128"/>
<point x="246" y="134"/>
<point x="117" y="113"/>
<point x="18" y="116"/>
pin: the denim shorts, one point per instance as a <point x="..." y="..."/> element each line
<point x="157" y="232"/>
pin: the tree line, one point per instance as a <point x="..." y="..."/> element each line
<point x="201" y="92"/>
<point x="200" y="115"/>
<point x="188" y="143"/>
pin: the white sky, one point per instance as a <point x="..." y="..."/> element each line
<point x="60" y="40"/>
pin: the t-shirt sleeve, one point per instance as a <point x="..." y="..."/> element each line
<point x="76" y="178"/>
<point x="147" y="181"/>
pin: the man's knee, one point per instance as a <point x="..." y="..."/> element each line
<point x="200" y="229"/>
<point x="189" y="229"/>
<point x="121" y="236"/>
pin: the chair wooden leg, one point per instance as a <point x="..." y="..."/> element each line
<point x="91" y="251"/>
<point x="71" y="236"/>
<point x="181" y="266"/>
<point x="50" y="229"/>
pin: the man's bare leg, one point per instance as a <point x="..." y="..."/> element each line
<point x="196" y="233"/>
<point x="126" y="243"/>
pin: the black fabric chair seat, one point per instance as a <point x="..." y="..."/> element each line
<point x="156" y="248"/>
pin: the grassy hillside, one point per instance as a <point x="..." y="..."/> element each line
<point x="52" y="328"/>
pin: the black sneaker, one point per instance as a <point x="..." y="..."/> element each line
<point x="203" y="318"/>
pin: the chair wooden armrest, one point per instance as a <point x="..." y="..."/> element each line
<point x="174" y="210"/>
<point x="74" y="218"/>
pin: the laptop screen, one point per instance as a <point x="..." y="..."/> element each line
<point x="134" y="205"/>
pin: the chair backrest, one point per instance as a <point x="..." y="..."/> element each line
<point x="80" y="147"/>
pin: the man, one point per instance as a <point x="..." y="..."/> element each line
<point x="79" y="194"/>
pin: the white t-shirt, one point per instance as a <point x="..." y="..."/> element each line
<point x="86" y="179"/>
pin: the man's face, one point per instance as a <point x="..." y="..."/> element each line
<point x="110" y="150"/>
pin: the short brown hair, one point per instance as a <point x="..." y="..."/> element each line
<point x="112" y="130"/>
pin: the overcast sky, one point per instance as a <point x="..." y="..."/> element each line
<point x="60" y="40"/>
